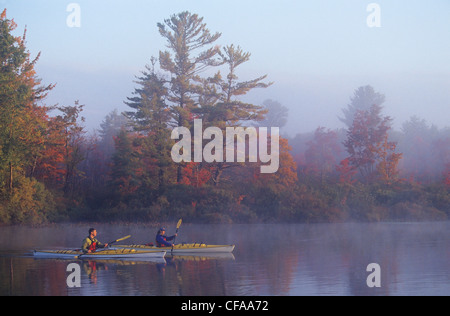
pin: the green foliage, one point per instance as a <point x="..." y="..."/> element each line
<point x="29" y="203"/>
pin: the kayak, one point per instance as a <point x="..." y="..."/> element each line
<point x="184" y="248"/>
<point x="102" y="254"/>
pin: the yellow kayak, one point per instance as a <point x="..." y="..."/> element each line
<point x="184" y="248"/>
<point x="101" y="254"/>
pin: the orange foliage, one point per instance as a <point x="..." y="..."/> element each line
<point x="196" y="174"/>
<point x="286" y="176"/>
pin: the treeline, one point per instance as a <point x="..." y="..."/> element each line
<point x="368" y="171"/>
<point x="52" y="170"/>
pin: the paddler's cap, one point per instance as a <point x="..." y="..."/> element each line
<point x="162" y="229"/>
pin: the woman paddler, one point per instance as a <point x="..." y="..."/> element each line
<point x="162" y="240"/>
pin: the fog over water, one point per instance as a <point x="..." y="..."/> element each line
<point x="328" y="259"/>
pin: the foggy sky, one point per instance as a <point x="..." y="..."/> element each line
<point x="316" y="52"/>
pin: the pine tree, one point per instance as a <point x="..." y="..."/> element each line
<point x="188" y="40"/>
<point x="125" y="174"/>
<point x="190" y="53"/>
<point x="228" y="110"/>
<point x="151" y="119"/>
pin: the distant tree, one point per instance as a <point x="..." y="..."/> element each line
<point x="109" y="128"/>
<point x="362" y="100"/>
<point x="277" y="114"/>
<point x="323" y="153"/>
<point x="447" y="175"/>
<point x="420" y="145"/>
<point x="441" y="154"/>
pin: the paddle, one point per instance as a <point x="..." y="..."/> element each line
<point x="178" y="227"/>
<point x="109" y="244"/>
<point x="117" y="240"/>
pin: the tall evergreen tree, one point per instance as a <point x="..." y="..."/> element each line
<point x="190" y="53"/>
<point x="228" y="110"/>
<point x="151" y="119"/>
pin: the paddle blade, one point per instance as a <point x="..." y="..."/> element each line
<point x="123" y="238"/>
<point x="120" y="239"/>
<point x="179" y="223"/>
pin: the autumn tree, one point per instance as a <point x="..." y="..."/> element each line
<point x="23" y="124"/>
<point x="366" y="142"/>
<point x="22" y="121"/>
<point x="50" y="166"/>
<point x="388" y="161"/>
<point x="73" y="135"/>
<point x="346" y="172"/>
<point x="286" y="176"/>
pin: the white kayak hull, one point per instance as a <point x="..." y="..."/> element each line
<point x="105" y="254"/>
<point x="184" y="248"/>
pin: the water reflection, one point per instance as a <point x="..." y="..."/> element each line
<point x="268" y="260"/>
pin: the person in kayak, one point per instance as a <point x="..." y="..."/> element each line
<point x="90" y="243"/>
<point x="162" y="240"/>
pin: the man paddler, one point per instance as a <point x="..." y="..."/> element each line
<point x="90" y="243"/>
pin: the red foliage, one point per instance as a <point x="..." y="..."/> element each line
<point x="196" y="174"/>
<point x="346" y="172"/>
<point x="321" y="155"/>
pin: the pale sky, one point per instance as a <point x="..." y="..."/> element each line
<point x="317" y="52"/>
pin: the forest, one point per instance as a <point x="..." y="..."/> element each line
<point x="53" y="170"/>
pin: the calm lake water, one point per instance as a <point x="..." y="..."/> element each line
<point x="269" y="260"/>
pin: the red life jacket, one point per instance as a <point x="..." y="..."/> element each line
<point x="93" y="246"/>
